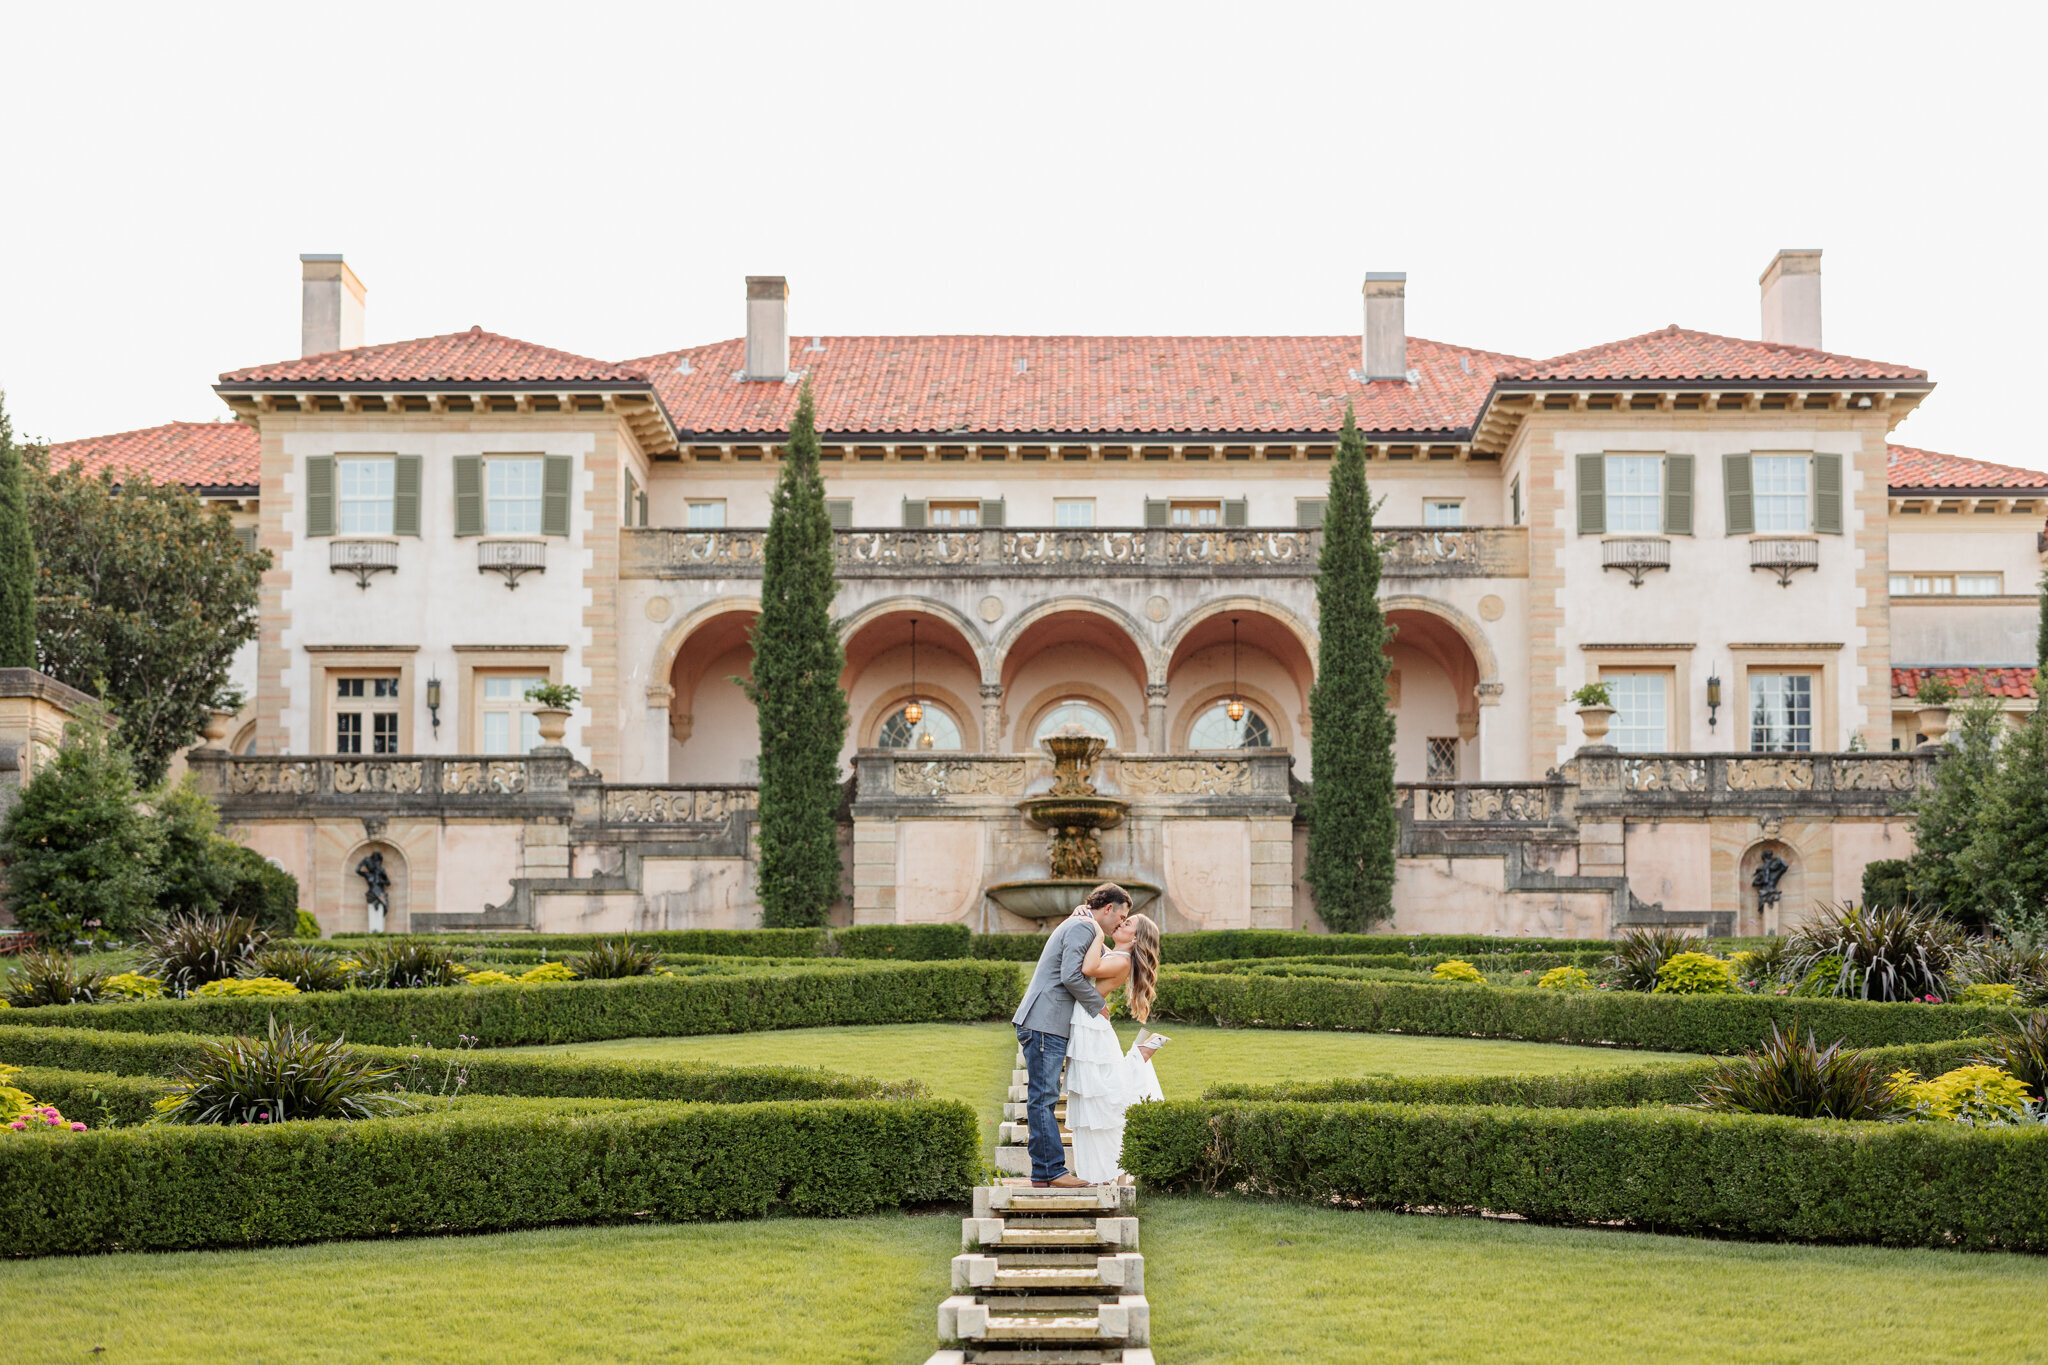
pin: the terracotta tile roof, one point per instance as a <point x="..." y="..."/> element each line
<point x="1080" y="384"/>
<point x="475" y="356"/>
<point x="1998" y="682"/>
<point x="1678" y="354"/>
<point x="1914" y="468"/>
<point x="200" y="454"/>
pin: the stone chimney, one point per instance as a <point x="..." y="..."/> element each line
<point x="330" y="304"/>
<point x="1386" y="326"/>
<point x="1791" y="288"/>
<point x="767" y="327"/>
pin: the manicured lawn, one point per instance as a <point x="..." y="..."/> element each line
<point x="858" y="1290"/>
<point x="1248" y="1282"/>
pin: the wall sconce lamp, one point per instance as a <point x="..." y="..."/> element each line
<point x="1713" y="699"/>
<point x="434" y="703"/>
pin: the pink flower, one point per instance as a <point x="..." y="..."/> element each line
<point x="77" y="1127"/>
<point x="17" y="1125"/>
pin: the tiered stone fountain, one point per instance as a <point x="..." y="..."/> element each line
<point x="1074" y="812"/>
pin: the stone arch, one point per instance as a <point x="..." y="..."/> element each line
<point x="903" y="603"/>
<point x="1129" y="730"/>
<point x="1474" y="635"/>
<point x="1304" y="633"/>
<point x="396" y="866"/>
<point x="672" y="643"/>
<point x="966" y="716"/>
<point x="684" y="659"/>
<point x="1153" y="661"/>
<point x="1794" y="897"/>
<point x="1191" y="708"/>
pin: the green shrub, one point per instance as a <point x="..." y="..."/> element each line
<point x="479" y="1165"/>
<point x="612" y="959"/>
<point x="1761" y="967"/>
<point x="904" y="942"/>
<point x="1910" y="1184"/>
<point x="488" y="977"/>
<point x="1013" y="947"/>
<point x="1805" y="1081"/>
<point x="260" y="890"/>
<point x="186" y="954"/>
<point x="2019" y="1045"/>
<point x="1895" y="953"/>
<point x="49" y="977"/>
<point x="245" y="987"/>
<point x="1639" y="954"/>
<point x="133" y="986"/>
<point x="1823" y="979"/>
<point x="192" y="878"/>
<point x="2000" y="961"/>
<point x="1705" y="1023"/>
<point x="1566" y="979"/>
<point x="96" y="1099"/>
<point x="1888" y="882"/>
<point x="306" y="967"/>
<point x="80" y="852"/>
<point x="157" y="1055"/>
<point x="1990" y="993"/>
<point x="406" y="964"/>
<point x="548" y="971"/>
<point x="286" y="1075"/>
<point x="308" y="927"/>
<point x="1976" y="1094"/>
<point x="585" y="1011"/>
<point x="1455" y="970"/>
<point x="1695" y="974"/>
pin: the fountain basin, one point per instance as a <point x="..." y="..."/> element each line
<point x="1055" y="898"/>
<point x="1074" y="812"/>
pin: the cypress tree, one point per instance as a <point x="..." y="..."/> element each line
<point x="1352" y="828"/>
<point x="795" y="691"/>
<point x="17" y="557"/>
<point x="2008" y="860"/>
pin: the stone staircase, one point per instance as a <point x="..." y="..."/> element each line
<point x="1045" y="1276"/>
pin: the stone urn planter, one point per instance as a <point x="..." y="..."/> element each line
<point x="553" y="722"/>
<point x="1596" y="719"/>
<point x="1933" y="723"/>
<point x="216" y="729"/>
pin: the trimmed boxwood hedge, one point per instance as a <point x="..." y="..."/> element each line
<point x="1668" y="1023"/>
<point x="1672" y="1170"/>
<point x="478" y="1166"/>
<point x="94" y="1098"/>
<point x="162" y="1054"/>
<point x="882" y="942"/>
<point x="586" y="1011"/>
<point x="1621" y="1087"/>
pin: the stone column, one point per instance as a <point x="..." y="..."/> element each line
<point x="1155" y="717"/>
<point x="991" y="718"/>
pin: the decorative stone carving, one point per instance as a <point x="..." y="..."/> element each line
<point x="377" y="776"/>
<point x="672" y="806"/>
<point x="483" y="778"/>
<point x="1436" y="805"/>
<point x="1074" y="547"/>
<point x="731" y="549"/>
<point x="1241" y="547"/>
<point x="1770" y="774"/>
<point x="909" y="549"/>
<point x="1492" y="608"/>
<point x="1512" y="803"/>
<point x="282" y="779"/>
<point x="991" y="609"/>
<point x="1664" y="774"/>
<point x="960" y="777"/>
<point x="1185" y="777"/>
<point x="1876" y="774"/>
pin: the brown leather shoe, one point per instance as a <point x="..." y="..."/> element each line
<point x="1064" y="1182"/>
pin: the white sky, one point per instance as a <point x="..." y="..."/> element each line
<point x="1550" y="177"/>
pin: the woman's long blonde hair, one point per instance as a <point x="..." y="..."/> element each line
<point x="1144" y="966"/>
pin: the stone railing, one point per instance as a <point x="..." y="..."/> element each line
<point x="1740" y="780"/>
<point x="640" y="807"/>
<point x="993" y="552"/>
<point x="1495" y="804"/>
<point x="277" y="784"/>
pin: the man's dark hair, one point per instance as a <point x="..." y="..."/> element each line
<point x="1109" y="893"/>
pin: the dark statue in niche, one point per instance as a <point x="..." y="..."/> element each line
<point x="1768" y="874"/>
<point x="376" y="888"/>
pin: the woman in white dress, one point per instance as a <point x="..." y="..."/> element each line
<point x="1103" y="1080"/>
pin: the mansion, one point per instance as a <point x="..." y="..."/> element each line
<point x="1115" y="533"/>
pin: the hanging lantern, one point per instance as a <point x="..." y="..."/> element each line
<point x="912" y="712"/>
<point x="1236" y="708"/>
<point x="925" y="740"/>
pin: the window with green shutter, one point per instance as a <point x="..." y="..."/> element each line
<point x="1736" y="494"/>
<point x="841" y="512"/>
<point x="1308" y="512"/>
<point x="405" y="495"/>
<point x="1236" y="512"/>
<point x="913" y="512"/>
<point x="1827" y="494"/>
<point x="1515" y="502"/>
<point x="1592" y="495"/>
<point x="319" y="495"/>
<point x="1678" y="495"/>
<point x="992" y="512"/>
<point x="554" y="495"/>
<point x="1155" y="512"/>
<point x="469" y="495"/>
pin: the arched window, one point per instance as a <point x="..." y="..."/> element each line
<point x="1074" y="711"/>
<point x="1214" y="729"/>
<point x="934" y="730"/>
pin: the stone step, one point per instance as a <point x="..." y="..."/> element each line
<point x="1019" y="1134"/>
<point x="990" y="1200"/>
<point x="1127" y="1321"/>
<point x="1020" y="1110"/>
<point x="1015" y="1160"/>
<point x="1111" y="1234"/>
<point x="1070" y="1355"/>
<point x="1122" y="1272"/>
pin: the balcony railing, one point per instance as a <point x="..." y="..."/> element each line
<point x="1784" y="555"/>
<point x="1879" y="780"/>
<point x="1484" y="803"/>
<point x="362" y="558"/>
<point x="1636" y="556"/>
<point x="991" y="552"/>
<point x="512" y="558"/>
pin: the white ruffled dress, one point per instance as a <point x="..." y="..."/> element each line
<point x="1103" y="1081"/>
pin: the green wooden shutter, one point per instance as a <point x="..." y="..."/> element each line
<point x="991" y="511"/>
<point x="469" y="495"/>
<point x="1736" y="491"/>
<point x="1236" y="512"/>
<point x="1515" y="502"/>
<point x="1155" y="512"/>
<point x="640" y="505"/>
<point x="913" y="511"/>
<point x="1678" y="495"/>
<point x="246" y="537"/>
<point x="319" y="495"/>
<point x="1308" y="512"/>
<point x="405" y="495"/>
<point x="1592" y="495"/>
<point x="554" y="495"/>
<point x="632" y="499"/>
<point x="841" y="512"/>
<point x="1827" y="494"/>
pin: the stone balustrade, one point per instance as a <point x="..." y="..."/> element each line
<point x="265" y="782"/>
<point x="1492" y="804"/>
<point x="657" y="806"/>
<point x="1877" y="781"/>
<point x="997" y="552"/>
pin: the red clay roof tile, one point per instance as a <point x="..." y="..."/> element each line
<point x="1911" y="467"/>
<point x="1997" y="682"/>
<point x="200" y="454"/>
<point x="475" y="356"/>
<point x="1678" y="354"/>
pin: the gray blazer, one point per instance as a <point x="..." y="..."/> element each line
<point x="1049" y="1000"/>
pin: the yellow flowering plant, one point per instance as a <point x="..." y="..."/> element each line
<point x="1566" y="979"/>
<point x="135" y="986"/>
<point x="548" y="971"/>
<point x="1457" y="969"/>
<point x="244" y="986"/>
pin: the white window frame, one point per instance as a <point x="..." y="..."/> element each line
<point x="361" y="510"/>
<point x="1642" y="710"/>
<point x="958" y="514"/>
<point x="705" y="514"/>
<point x="509" y="508"/>
<point x="1073" y="512"/>
<point x="1435" y="510"/>
<point x="1634" y="494"/>
<point x="382" y="699"/>
<point x="512" y="710"/>
<point x="1780" y="509"/>
<point x="1799" y="738"/>
<point x="1986" y="585"/>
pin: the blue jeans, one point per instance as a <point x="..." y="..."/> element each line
<point x="1044" y="1053"/>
